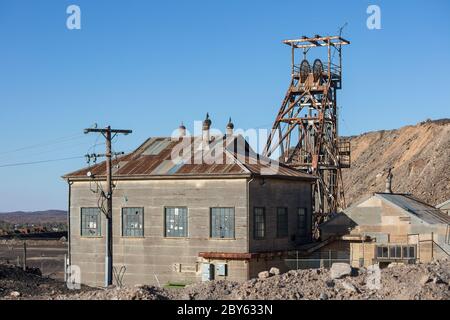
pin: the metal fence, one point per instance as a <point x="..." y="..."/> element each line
<point x="322" y="259"/>
<point x="47" y="256"/>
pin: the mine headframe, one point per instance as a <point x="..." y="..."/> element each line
<point x="305" y="131"/>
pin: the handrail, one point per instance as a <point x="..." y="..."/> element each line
<point x="437" y="245"/>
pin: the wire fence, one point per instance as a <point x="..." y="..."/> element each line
<point x="47" y="256"/>
<point x="323" y="259"/>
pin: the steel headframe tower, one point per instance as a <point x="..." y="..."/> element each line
<point x="305" y="131"/>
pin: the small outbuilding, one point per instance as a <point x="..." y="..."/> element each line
<point x="390" y="227"/>
<point x="444" y="207"/>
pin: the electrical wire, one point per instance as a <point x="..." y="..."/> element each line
<point x="37" y="162"/>
<point x="44" y="144"/>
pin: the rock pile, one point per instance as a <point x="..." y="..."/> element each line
<point x="418" y="281"/>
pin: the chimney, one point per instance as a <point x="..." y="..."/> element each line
<point x="389" y="182"/>
<point x="182" y="130"/>
<point x="230" y="127"/>
<point x="205" y="129"/>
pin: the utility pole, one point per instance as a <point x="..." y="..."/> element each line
<point x="109" y="135"/>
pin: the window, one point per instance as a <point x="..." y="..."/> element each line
<point x="222" y="223"/>
<point x="282" y="222"/>
<point x="409" y="252"/>
<point x="396" y="252"/>
<point x="302" y="222"/>
<point x="90" y="222"/>
<point x="176" y="223"/>
<point x="259" y="223"/>
<point x="382" y="252"/>
<point x="133" y="222"/>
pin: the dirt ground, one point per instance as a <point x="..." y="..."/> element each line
<point x="400" y="282"/>
<point x="47" y="255"/>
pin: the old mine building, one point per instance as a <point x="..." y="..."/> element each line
<point x="389" y="227"/>
<point x="181" y="222"/>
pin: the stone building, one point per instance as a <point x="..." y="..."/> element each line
<point x="389" y="227"/>
<point x="185" y="220"/>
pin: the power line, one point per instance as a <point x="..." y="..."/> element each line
<point x="45" y="144"/>
<point x="37" y="162"/>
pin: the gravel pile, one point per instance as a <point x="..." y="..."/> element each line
<point x="404" y="282"/>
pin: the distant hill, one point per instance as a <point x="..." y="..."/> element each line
<point x="420" y="155"/>
<point x="34" y="217"/>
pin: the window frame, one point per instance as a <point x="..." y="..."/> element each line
<point x="165" y="235"/>
<point x="99" y="223"/>
<point x="302" y="232"/>
<point x="264" y="220"/>
<point x="211" y="224"/>
<point x="286" y="226"/>
<point x="388" y="249"/>
<point x="122" y="225"/>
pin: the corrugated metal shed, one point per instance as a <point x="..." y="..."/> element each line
<point x="221" y="157"/>
<point x="416" y="208"/>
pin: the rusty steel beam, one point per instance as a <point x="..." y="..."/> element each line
<point x="310" y="106"/>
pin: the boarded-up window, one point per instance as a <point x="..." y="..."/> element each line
<point x="222" y="223"/>
<point x="90" y="222"/>
<point x="259" y="223"/>
<point x="176" y="222"/>
<point x="133" y="222"/>
<point x="282" y="222"/>
<point x="302" y="222"/>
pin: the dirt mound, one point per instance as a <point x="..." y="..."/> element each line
<point x="420" y="156"/>
<point x="16" y="283"/>
<point x="409" y="282"/>
<point x="405" y="282"/>
<point x="135" y="293"/>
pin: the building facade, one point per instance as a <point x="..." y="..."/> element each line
<point x="182" y="221"/>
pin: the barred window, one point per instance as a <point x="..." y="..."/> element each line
<point x="282" y="222"/>
<point x="90" y="222"/>
<point x="176" y="223"/>
<point x="396" y="252"/>
<point x="133" y="222"/>
<point x="222" y="223"/>
<point x="302" y="222"/>
<point x="259" y="223"/>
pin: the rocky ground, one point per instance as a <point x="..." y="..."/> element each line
<point x="420" y="155"/>
<point x="421" y="281"/>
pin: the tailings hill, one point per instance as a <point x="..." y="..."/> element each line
<point x="419" y="154"/>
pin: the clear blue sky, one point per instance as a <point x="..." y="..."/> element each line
<point x="147" y="65"/>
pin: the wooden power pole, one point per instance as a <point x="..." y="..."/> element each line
<point x="109" y="135"/>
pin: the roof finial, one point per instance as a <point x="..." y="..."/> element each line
<point x="182" y="130"/>
<point x="206" y="122"/>
<point x="389" y="181"/>
<point x="230" y="124"/>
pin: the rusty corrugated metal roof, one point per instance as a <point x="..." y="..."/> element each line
<point x="158" y="157"/>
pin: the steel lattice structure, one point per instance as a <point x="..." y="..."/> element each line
<point x="305" y="131"/>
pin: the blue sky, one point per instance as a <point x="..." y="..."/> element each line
<point x="148" y="65"/>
